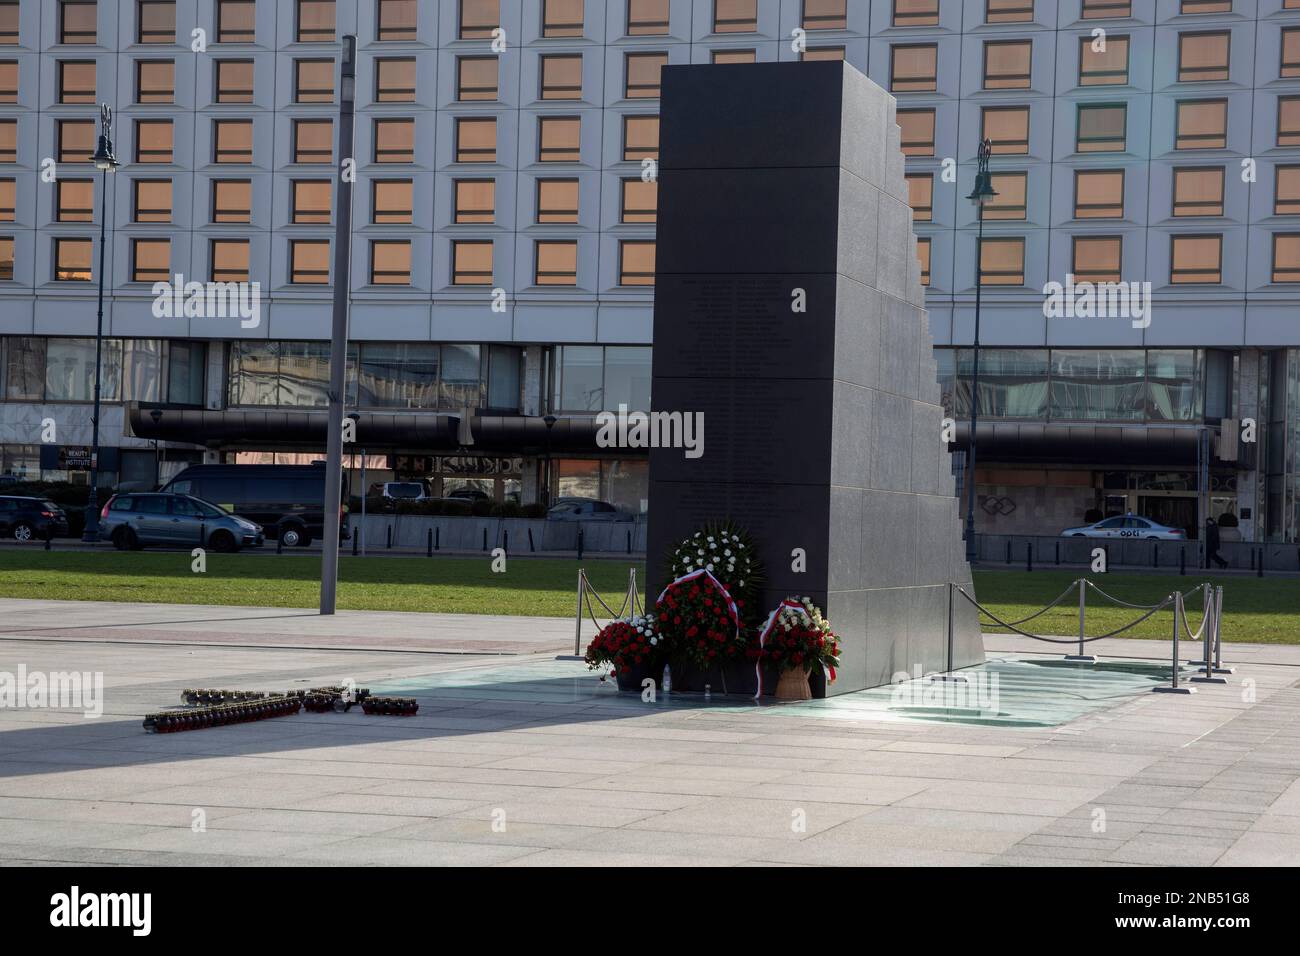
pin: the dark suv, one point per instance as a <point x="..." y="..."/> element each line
<point x="31" y="519"/>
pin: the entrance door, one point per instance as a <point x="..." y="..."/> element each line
<point x="1174" y="512"/>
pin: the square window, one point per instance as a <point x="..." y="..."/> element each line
<point x="77" y="81"/>
<point x="1008" y="11"/>
<point x="1007" y="64"/>
<point x="640" y="200"/>
<point x="1201" y="124"/>
<point x="478" y="18"/>
<point x="236" y="20"/>
<point x="917" y="128"/>
<point x="562" y="18"/>
<point x="152" y="200"/>
<point x="1288" y="121"/>
<point x="392" y="202"/>
<point x="636" y="262"/>
<point x="914" y="67"/>
<point x="1006" y="128"/>
<point x="733" y="56"/>
<point x="476" y="139"/>
<point x="315" y="21"/>
<point x="476" y="78"/>
<point x="1002" y="261"/>
<point x="825" y="15"/>
<point x="77" y="141"/>
<point x="1099" y="194"/>
<point x="395" y="80"/>
<point x="230" y="259"/>
<point x="1103" y="9"/>
<point x="309" y="261"/>
<point x="1286" y="190"/>
<point x="311" y="201"/>
<point x="313" y="141"/>
<point x="557" y="262"/>
<point x="562" y="77"/>
<point x="1202" y="57"/>
<point x="1010" y="202"/>
<point x="313" y="81"/>
<point x="234" y="81"/>
<point x="1097" y="258"/>
<point x="1196" y="260"/>
<point x="920" y="192"/>
<point x="151" y="260"/>
<point x="1290" y="52"/>
<point x="1102" y="128"/>
<point x="476" y="200"/>
<point x="397" y="21"/>
<point x="1198" y="192"/>
<point x="643" y="75"/>
<point x="1286" y="257"/>
<point x="471" y="263"/>
<point x="232" y="141"/>
<point x="390" y="262"/>
<point x="640" y="138"/>
<point x="157" y="21"/>
<point x="735" y="16"/>
<point x="647" y="17"/>
<point x="557" y="200"/>
<point x="395" y="140"/>
<point x="232" y="200"/>
<point x="916" y="13"/>
<point x="78" y="21"/>
<point x="72" y="260"/>
<point x="74" y="200"/>
<point x="1106" y="67"/>
<point x="558" y="139"/>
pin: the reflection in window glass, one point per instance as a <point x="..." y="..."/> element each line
<point x="1097" y="385"/>
<point x="1013" y="383"/>
<point x="1173" y="385"/>
<point x="461" y="382"/>
<point x="399" y="375"/>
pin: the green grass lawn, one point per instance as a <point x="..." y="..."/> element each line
<point x="1265" y="610"/>
<point x="537" y="586"/>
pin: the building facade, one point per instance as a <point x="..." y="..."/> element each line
<point x="503" y="235"/>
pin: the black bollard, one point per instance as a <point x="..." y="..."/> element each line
<point x="49" y="536"/>
<point x="203" y="532"/>
<point x="629" y="542"/>
<point x="437" y="539"/>
<point x="390" y="537"/>
<point x="579" y="544"/>
<point x="1155" y="554"/>
<point x="279" y="542"/>
<point x="1008" y="552"/>
<point x="1182" y="562"/>
<point x="1029" y="556"/>
<point x="428" y="545"/>
<point x="355" y="536"/>
<point x="485" y="539"/>
<point x="1259" y="567"/>
<point x="505" y="541"/>
<point x="530" y="540"/>
<point x="1058" y="552"/>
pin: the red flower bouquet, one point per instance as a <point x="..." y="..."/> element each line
<point x="699" y="622"/>
<point x="799" y="638"/>
<point x="626" y="644"/>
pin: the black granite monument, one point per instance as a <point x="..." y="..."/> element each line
<point x="789" y="311"/>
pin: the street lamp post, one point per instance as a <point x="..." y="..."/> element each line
<point x="546" y="472"/>
<point x="981" y="196"/>
<point x="106" y="163"/>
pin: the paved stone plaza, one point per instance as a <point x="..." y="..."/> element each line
<point x="516" y="758"/>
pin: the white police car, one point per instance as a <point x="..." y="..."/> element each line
<point x="1127" y="526"/>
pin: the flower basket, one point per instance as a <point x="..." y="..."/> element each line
<point x="632" y="647"/>
<point x="793" y="685"/>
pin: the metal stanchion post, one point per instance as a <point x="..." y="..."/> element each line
<point x="1218" y="632"/>
<point x="948" y="675"/>
<point x="1174" y="687"/>
<point x="1211" y="624"/>
<point x="1083" y="657"/>
<point x="577" y="624"/>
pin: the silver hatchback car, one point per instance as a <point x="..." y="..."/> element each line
<point x="134" y="521"/>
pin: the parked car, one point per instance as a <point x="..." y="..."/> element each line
<point x="1126" y="526"/>
<point x="585" y="509"/>
<point x="403" y="491"/>
<point x="137" y="520"/>
<point x="468" y="494"/>
<point x="31" y="519"/>
<point x="286" y="500"/>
